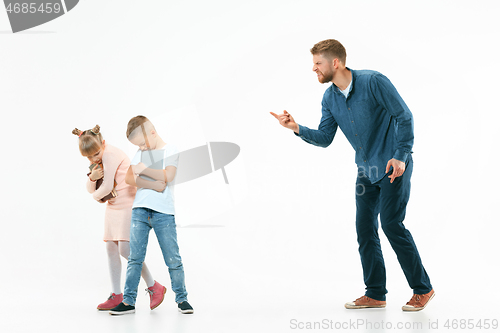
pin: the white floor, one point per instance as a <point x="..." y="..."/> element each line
<point x="249" y="275"/>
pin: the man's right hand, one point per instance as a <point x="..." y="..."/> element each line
<point x="286" y="120"/>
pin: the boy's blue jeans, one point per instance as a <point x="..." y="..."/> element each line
<point x="388" y="200"/>
<point x="143" y="220"/>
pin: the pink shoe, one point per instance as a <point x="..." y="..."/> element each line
<point x="113" y="300"/>
<point x="156" y="295"/>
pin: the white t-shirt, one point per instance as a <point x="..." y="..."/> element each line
<point x="162" y="202"/>
<point x="347" y="90"/>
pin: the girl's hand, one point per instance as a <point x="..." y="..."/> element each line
<point x="97" y="173"/>
<point x="159" y="185"/>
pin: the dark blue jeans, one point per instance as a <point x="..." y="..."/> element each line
<point x="388" y="200"/>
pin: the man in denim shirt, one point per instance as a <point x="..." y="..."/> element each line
<point x="379" y="126"/>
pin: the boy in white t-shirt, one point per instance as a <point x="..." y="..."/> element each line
<point x="151" y="170"/>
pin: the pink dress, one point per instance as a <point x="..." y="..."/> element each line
<point x="119" y="212"/>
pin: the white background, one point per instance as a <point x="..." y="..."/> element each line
<point x="278" y="244"/>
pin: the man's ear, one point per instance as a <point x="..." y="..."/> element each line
<point x="335" y="63"/>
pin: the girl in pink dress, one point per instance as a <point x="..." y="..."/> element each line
<point x="114" y="165"/>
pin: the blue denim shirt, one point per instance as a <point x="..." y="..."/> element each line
<point x="373" y="117"/>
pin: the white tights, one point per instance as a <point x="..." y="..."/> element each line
<point x="115" y="249"/>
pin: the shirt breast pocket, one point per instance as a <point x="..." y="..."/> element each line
<point x="362" y="110"/>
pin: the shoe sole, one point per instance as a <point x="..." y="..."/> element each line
<point x="117" y="313"/>
<point x="186" y="311"/>
<point x="363" y="306"/>
<point x="157" y="305"/>
<point x="419" y="309"/>
<point x="106" y="309"/>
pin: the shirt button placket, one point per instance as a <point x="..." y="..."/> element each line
<point x="356" y="134"/>
<point x="354" y="128"/>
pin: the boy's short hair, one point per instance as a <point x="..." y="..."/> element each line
<point x="137" y="122"/>
<point x="330" y="49"/>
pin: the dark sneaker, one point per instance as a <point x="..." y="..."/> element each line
<point x="122" y="309"/>
<point x="184" y="307"/>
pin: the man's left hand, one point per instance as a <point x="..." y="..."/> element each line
<point x="398" y="168"/>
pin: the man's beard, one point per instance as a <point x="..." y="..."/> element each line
<point x="325" y="77"/>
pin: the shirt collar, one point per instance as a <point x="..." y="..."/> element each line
<point x="353" y="77"/>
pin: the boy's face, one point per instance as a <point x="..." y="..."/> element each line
<point x="142" y="139"/>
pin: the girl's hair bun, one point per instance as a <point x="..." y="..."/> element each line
<point x="96" y="129"/>
<point x="76" y="131"/>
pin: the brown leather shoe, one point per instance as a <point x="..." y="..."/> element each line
<point x="365" y="302"/>
<point x="418" y="302"/>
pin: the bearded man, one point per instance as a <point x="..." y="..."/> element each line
<point x="379" y="126"/>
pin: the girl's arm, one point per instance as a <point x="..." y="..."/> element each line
<point x="110" y="163"/>
<point x="91" y="185"/>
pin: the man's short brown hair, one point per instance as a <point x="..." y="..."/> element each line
<point x="330" y="49"/>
